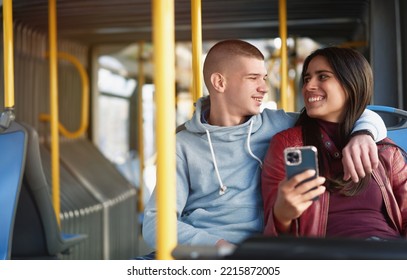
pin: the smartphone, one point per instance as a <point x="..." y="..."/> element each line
<point x="299" y="159"/>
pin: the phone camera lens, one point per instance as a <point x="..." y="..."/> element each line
<point x="293" y="157"/>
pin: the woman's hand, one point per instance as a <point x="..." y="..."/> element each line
<point x="295" y="196"/>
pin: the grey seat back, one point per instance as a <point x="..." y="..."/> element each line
<point x="36" y="232"/>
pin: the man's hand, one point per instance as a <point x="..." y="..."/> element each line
<point x="359" y="157"/>
<point x="225" y="247"/>
<point x="223" y="243"/>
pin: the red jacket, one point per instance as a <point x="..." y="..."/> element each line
<point x="313" y="221"/>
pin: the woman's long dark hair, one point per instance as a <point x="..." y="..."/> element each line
<point x="354" y="73"/>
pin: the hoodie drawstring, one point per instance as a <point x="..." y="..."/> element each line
<point x="222" y="187"/>
<point x="248" y="145"/>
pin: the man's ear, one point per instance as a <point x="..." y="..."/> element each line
<point x="218" y="82"/>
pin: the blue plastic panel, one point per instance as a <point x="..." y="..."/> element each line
<point x="12" y="156"/>
<point x="397" y="133"/>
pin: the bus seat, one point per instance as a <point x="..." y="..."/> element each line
<point x="397" y="132"/>
<point x="37" y="233"/>
<point x="13" y="142"/>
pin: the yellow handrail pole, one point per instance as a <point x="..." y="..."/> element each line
<point x="85" y="99"/>
<point x="53" y="87"/>
<point x="8" y="54"/>
<point x="164" y="63"/>
<point x="282" y="12"/>
<point x="140" y="123"/>
<point x="196" y="17"/>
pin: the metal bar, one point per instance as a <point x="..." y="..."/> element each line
<point x="140" y="126"/>
<point x="282" y="9"/>
<point x="53" y="86"/>
<point x="196" y="16"/>
<point x="85" y="100"/>
<point x="8" y="54"/>
<point x="164" y="63"/>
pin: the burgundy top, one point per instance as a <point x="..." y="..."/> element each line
<point x="360" y="216"/>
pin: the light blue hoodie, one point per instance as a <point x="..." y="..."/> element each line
<point x="209" y="157"/>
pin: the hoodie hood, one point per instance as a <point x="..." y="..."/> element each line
<point x="223" y="133"/>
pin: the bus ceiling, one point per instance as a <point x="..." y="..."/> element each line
<point x="97" y="22"/>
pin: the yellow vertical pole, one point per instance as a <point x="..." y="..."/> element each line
<point x="53" y="87"/>
<point x="196" y="16"/>
<point x="282" y="12"/>
<point x="8" y="54"/>
<point x="140" y="123"/>
<point x="164" y="80"/>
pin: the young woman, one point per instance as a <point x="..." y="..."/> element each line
<point x="337" y="87"/>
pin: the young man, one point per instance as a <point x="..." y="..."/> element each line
<point x="220" y="151"/>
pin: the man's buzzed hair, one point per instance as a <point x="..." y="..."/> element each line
<point x="225" y="51"/>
